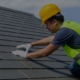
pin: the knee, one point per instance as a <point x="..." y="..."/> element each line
<point x="75" y="69"/>
<point x="71" y="67"/>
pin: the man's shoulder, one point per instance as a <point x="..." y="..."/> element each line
<point x="64" y="30"/>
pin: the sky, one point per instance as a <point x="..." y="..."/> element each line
<point x="69" y="8"/>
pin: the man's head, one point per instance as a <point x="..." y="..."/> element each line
<point x="51" y="16"/>
<point x="54" y="22"/>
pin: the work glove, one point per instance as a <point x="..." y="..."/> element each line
<point x="19" y="53"/>
<point x="26" y="46"/>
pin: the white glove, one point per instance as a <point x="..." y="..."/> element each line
<point x="19" y="53"/>
<point x="27" y="46"/>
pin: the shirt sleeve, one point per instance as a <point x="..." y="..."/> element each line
<point x="62" y="36"/>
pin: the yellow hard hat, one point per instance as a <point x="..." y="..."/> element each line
<point x="47" y="11"/>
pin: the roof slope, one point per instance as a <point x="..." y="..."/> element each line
<point x="16" y="28"/>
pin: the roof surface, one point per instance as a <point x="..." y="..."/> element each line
<point x="17" y="28"/>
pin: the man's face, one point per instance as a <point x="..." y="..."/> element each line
<point x="52" y="26"/>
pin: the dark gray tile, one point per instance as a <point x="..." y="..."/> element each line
<point x="46" y="64"/>
<point x="7" y="48"/>
<point x="24" y="32"/>
<point x="31" y="79"/>
<point x="15" y="39"/>
<point x="60" y="48"/>
<point x="11" y="74"/>
<point x="7" y="33"/>
<point x="59" y="65"/>
<point x="60" y="72"/>
<point x="44" y="59"/>
<point x="60" y="53"/>
<point x="9" y="43"/>
<point x="37" y="64"/>
<point x="39" y="46"/>
<point x="21" y="35"/>
<point x="14" y="43"/>
<point x="26" y="36"/>
<point x="60" y="58"/>
<point x="1" y="58"/>
<point x="9" y="30"/>
<point x="12" y="64"/>
<point x="61" y="79"/>
<point x="10" y="56"/>
<point x="56" y="58"/>
<point x="37" y="73"/>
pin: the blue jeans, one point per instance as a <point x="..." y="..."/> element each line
<point x="75" y="69"/>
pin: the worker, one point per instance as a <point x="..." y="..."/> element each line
<point x="67" y="36"/>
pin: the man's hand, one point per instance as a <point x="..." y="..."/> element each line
<point x="19" y="53"/>
<point x="26" y="46"/>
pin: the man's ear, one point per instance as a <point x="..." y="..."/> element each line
<point x="55" y="22"/>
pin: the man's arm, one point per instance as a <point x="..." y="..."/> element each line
<point x="43" y="52"/>
<point x="42" y="42"/>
